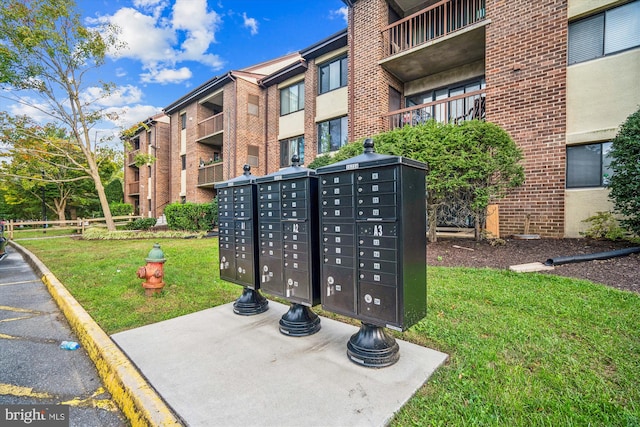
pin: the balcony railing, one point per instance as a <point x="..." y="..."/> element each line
<point x="211" y="125"/>
<point x="131" y="157"/>
<point x="438" y="20"/>
<point x="134" y="188"/>
<point x="456" y="109"/>
<point x="210" y="174"/>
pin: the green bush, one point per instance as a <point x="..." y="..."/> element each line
<point x="191" y="216"/>
<point x="625" y="180"/>
<point x="603" y="225"/>
<point x="141" y="224"/>
<point x="121" y="209"/>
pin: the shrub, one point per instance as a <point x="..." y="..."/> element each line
<point x="120" y="209"/>
<point x="603" y="225"/>
<point x="625" y="181"/>
<point x="141" y="224"/>
<point x="191" y="216"/>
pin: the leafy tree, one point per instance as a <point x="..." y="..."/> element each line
<point x="114" y="191"/>
<point x="45" y="55"/>
<point x="475" y="157"/>
<point x="625" y="180"/>
<point x="35" y="165"/>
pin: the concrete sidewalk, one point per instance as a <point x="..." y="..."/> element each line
<point x="215" y="368"/>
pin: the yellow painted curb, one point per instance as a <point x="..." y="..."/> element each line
<point x="137" y="399"/>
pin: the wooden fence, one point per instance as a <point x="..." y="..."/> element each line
<point x="79" y="224"/>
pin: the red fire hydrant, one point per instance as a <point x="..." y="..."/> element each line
<point x="153" y="272"/>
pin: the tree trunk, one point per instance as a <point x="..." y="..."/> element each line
<point x="433" y="220"/>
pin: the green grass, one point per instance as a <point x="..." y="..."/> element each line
<point x="525" y="349"/>
<point x="28" y="233"/>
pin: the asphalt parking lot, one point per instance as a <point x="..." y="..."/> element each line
<point x="34" y="369"/>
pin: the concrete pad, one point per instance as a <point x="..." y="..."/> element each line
<point x="218" y="368"/>
<point x="530" y="267"/>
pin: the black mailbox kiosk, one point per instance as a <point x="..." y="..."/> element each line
<point x="238" y="240"/>
<point x="288" y="236"/>
<point x="373" y="239"/>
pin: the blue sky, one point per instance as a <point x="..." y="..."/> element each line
<point x="173" y="46"/>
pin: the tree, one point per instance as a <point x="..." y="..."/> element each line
<point x="476" y="158"/>
<point x="36" y="165"/>
<point x="45" y="52"/>
<point x="625" y="180"/>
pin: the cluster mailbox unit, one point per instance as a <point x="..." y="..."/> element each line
<point x="351" y="235"/>
<point x="373" y="237"/>
<point x="289" y="251"/>
<point x="238" y="248"/>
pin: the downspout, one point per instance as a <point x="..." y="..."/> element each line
<point x="351" y="66"/>
<point x="266" y="133"/>
<point x="155" y="172"/>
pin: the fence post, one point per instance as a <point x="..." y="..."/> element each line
<point x="10" y="229"/>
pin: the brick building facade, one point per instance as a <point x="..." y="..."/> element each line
<point x="528" y="68"/>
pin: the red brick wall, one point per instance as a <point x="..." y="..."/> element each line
<point x="526" y="95"/>
<point x="310" y="127"/>
<point x="160" y="169"/>
<point x="368" y="91"/>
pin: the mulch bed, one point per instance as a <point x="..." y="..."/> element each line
<point x="620" y="272"/>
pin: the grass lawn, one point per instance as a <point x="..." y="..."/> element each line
<point x="525" y="349"/>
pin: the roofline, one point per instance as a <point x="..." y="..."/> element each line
<point x="284" y="73"/>
<point x="198" y="92"/>
<point x="333" y="42"/>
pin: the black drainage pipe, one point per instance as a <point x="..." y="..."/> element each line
<point x="590" y="257"/>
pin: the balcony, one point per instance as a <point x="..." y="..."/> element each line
<point x="445" y="35"/>
<point x="455" y="109"/>
<point x="210" y="174"/>
<point x="134" y="188"/>
<point x="210" y="130"/>
<point x="131" y="157"/>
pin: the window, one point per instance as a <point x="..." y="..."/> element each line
<point x="459" y="110"/>
<point x="332" y="134"/>
<point x="288" y="148"/>
<point x="333" y="75"/>
<point x="253" y="152"/>
<point x="292" y="99"/>
<point x="588" y="165"/>
<point x="183" y="121"/>
<point x="253" y="105"/>
<point x="608" y="32"/>
<point x="183" y="160"/>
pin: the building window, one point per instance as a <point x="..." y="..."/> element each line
<point x="183" y="121"/>
<point x="588" y="165"/>
<point x="292" y="99"/>
<point x="253" y="158"/>
<point x="253" y="105"/>
<point x="332" y="134"/>
<point x="288" y="148"/>
<point x="332" y="75"/>
<point x="183" y="160"/>
<point x="608" y="32"/>
<point x="456" y="111"/>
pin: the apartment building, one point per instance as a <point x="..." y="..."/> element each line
<point x="560" y="76"/>
<point x="146" y="183"/>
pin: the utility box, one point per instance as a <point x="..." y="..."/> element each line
<point x="288" y="234"/>
<point x="373" y="239"/>
<point x="238" y="239"/>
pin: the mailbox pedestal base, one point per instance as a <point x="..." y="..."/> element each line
<point x="372" y="347"/>
<point x="299" y="321"/>
<point x="250" y="303"/>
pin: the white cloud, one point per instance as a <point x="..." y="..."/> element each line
<point x="37" y="111"/>
<point x="250" y="23"/>
<point x="166" y="75"/>
<point x="127" y="116"/>
<point x="160" y="40"/>
<point x="342" y="13"/>
<point x="127" y="94"/>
